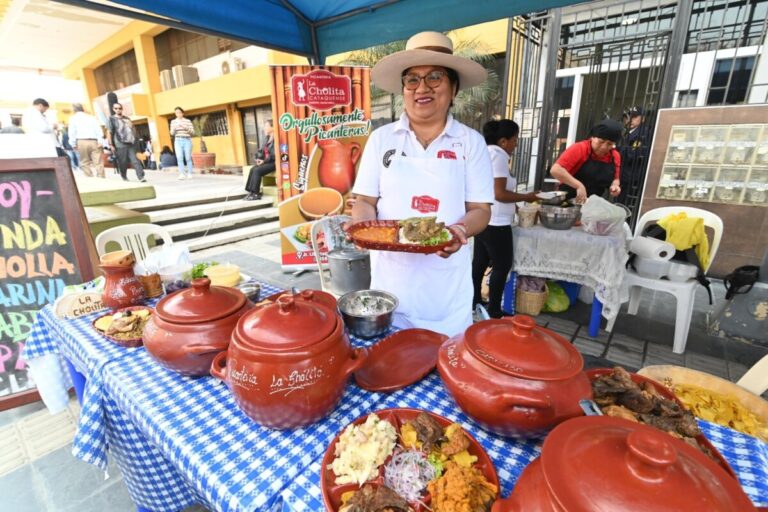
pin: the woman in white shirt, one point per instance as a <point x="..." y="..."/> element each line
<point x="494" y="245"/>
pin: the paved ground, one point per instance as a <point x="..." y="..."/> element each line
<point x="41" y="475"/>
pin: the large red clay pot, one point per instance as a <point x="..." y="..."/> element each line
<point x="337" y="165"/>
<point x="515" y="378"/>
<point x="603" y="463"/>
<point x="288" y="362"/>
<point x="191" y="326"/>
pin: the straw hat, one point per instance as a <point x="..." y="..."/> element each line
<point x="426" y="49"/>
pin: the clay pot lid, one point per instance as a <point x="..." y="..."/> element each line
<point x="201" y="303"/>
<point x="292" y="323"/>
<point x="521" y="348"/>
<point x="604" y="463"/>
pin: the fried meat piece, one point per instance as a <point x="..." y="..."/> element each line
<point x="428" y="430"/>
<point x="618" y="411"/>
<point x="125" y="323"/>
<point x="378" y="499"/>
<point x="461" y="490"/>
<point x="637" y="400"/>
<point x="457" y="442"/>
<point x="684" y="425"/>
<point x="421" y="228"/>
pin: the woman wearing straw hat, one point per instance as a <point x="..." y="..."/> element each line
<point x="427" y="164"/>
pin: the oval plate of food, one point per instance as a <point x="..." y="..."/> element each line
<point x="124" y="326"/>
<point x="422" y="235"/>
<point x="643" y="400"/>
<point x="405" y="459"/>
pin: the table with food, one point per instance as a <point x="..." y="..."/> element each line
<point x="299" y="401"/>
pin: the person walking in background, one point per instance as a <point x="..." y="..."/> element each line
<point x="494" y="245"/>
<point x="167" y="159"/>
<point x="36" y="121"/>
<point x="73" y="157"/>
<point x="14" y="127"/>
<point x="265" y="164"/>
<point x="182" y="131"/>
<point x="634" y="148"/>
<point x="122" y="139"/>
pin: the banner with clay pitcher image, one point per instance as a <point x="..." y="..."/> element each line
<point x="322" y="122"/>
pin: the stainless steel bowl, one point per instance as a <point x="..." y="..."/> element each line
<point x="558" y="197"/>
<point x="367" y="313"/>
<point x="250" y="290"/>
<point x="556" y="217"/>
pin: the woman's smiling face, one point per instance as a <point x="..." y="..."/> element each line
<point x="428" y="103"/>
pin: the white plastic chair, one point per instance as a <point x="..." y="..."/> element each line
<point x="684" y="292"/>
<point x="133" y="237"/>
<point x="333" y="236"/>
<point x="756" y="378"/>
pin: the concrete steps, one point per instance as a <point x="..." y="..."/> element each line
<point x="211" y="214"/>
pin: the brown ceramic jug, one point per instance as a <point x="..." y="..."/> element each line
<point x="121" y="286"/>
<point x="604" y="463"/>
<point x="191" y="326"/>
<point x="337" y="165"/>
<point x="513" y="377"/>
<point x="288" y="363"/>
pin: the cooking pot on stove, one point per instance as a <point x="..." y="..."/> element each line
<point x="288" y="363"/>
<point x="513" y="377"/>
<point x="603" y="463"/>
<point x="191" y="326"/>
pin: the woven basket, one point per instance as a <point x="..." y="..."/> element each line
<point x="530" y="303"/>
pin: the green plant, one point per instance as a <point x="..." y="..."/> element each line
<point x="199" y="125"/>
<point x="469" y="102"/>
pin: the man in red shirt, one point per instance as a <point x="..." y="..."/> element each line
<point x="593" y="165"/>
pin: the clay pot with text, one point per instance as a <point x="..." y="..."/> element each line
<point x="337" y="165"/>
<point x="191" y="326"/>
<point x="605" y="463"/>
<point x="513" y="377"/>
<point x="288" y="363"/>
<point x="121" y="286"/>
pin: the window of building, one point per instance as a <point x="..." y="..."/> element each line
<point x="730" y="81"/>
<point x="687" y="98"/>
<point x="117" y="74"/>
<point x="253" y="129"/>
<point x="177" y="47"/>
<point x="719" y="24"/>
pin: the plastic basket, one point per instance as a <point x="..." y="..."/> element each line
<point x="530" y="303"/>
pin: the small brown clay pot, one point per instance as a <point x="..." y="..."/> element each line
<point x="288" y="362"/>
<point x="191" y="326"/>
<point x="121" y="286"/>
<point x="513" y="377"/>
<point x="604" y="463"/>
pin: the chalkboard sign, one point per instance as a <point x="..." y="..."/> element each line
<point x="46" y="245"/>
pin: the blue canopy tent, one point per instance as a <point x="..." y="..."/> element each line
<point x="318" y="28"/>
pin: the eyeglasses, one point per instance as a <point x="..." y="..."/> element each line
<point x="432" y="79"/>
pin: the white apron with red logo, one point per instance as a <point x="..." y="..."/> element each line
<point x="434" y="293"/>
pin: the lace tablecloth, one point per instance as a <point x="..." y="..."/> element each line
<point x="576" y="256"/>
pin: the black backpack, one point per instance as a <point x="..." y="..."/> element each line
<point x="688" y="256"/>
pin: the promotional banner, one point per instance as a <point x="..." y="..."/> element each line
<point x="322" y="122"/>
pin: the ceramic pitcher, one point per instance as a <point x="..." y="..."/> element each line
<point x="337" y="164"/>
<point x="122" y="288"/>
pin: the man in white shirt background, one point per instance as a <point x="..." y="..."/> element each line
<point x="35" y="121"/>
<point x="87" y="137"/>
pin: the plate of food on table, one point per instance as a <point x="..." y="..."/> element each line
<point x="417" y="234"/>
<point x="407" y="460"/>
<point x="124" y="326"/>
<point x="639" y="399"/>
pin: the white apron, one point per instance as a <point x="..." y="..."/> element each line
<point x="434" y="293"/>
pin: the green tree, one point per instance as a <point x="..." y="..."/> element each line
<point x="469" y="104"/>
<point x="198" y="123"/>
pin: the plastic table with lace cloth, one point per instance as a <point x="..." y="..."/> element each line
<point x="579" y="257"/>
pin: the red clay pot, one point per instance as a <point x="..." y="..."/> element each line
<point x="513" y="377"/>
<point x="121" y="287"/>
<point x="604" y="463"/>
<point x="191" y="326"/>
<point x="288" y="362"/>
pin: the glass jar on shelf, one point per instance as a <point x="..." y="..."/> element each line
<point x="709" y="152"/>
<point x="742" y="141"/>
<point x="728" y="193"/>
<point x="701" y="191"/>
<point x="761" y="153"/>
<point x="670" y="192"/>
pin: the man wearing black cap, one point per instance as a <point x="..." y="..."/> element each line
<point x="634" y="151"/>
<point x="591" y="166"/>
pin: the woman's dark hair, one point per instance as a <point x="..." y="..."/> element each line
<point x="269" y="122"/>
<point x="166" y="151"/>
<point x="178" y="108"/>
<point x="494" y="131"/>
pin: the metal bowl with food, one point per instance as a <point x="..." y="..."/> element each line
<point x="367" y="313"/>
<point x="556" y="217"/>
